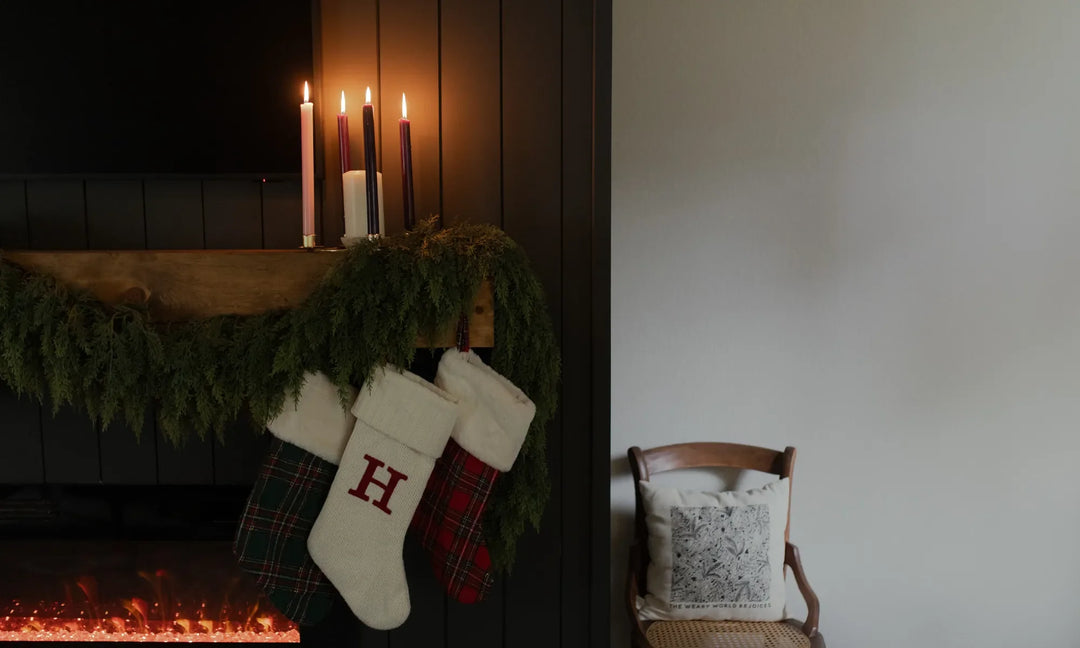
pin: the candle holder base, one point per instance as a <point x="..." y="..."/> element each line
<point x="349" y="241"/>
<point x="309" y="241"/>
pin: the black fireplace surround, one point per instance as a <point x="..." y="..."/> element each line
<point x="134" y="563"/>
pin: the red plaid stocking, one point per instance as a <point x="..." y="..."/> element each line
<point x="493" y="420"/>
<point x="448" y="522"/>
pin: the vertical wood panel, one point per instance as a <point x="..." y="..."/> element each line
<point x="114" y="215"/>
<point x="114" y="220"/>
<point x="57" y="214"/>
<point x="281" y="210"/>
<point x="471" y="83"/>
<point x="71" y="447"/>
<point x="478" y="624"/>
<point x="20" y="419"/>
<point x="174" y="220"/>
<point x="339" y="629"/>
<point x="57" y="218"/>
<point x="532" y="184"/>
<point x="233" y="217"/>
<point x="237" y="459"/>
<point x="472" y="192"/>
<point x="427" y="620"/>
<point x="576" y="398"/>
<point x="409" y="63"/>
<point x="347" y="47"/>
<point x="190" y="463"/>
<point x="21" y="459"/>
<point x="600" y="629"/>
<point x="127" y="457"/>
<point x="232" y="214"/>
<point x="174" y="215"/>
<point x="14" y="233"/>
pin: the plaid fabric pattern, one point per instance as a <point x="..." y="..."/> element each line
<point x="271" y="542"/>
<point x="448" y="523"/>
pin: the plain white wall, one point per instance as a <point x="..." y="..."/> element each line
<point x="853" y="226"/>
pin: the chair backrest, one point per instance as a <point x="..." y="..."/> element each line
<point x="644" y="463"/>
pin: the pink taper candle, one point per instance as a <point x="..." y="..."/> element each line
<point x="307" y="167"/>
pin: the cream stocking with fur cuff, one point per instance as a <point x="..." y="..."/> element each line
<point x="402" y="425"/>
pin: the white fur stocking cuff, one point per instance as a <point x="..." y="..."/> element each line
<point x="494" y="414"/>
<point x="316" y="422"/>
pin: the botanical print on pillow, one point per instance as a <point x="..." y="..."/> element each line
<point x="720" y="555"/>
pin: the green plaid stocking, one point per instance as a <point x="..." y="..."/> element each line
<point x="271" y="541"/>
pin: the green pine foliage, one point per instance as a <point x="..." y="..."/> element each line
<point x="63" y="347"/>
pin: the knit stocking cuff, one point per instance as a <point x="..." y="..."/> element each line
<point x="405" y="407"/>
<point x="316" y="422"/>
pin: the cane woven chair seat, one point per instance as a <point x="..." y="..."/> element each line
<point x="725" y="634"/>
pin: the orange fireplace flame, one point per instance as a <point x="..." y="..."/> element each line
<point x="88" y="613"/>
<point x="138" y="609"/>
<point x="89" y="589"/>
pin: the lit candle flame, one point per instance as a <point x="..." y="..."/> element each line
<point x="367" y="95"/>
<point x="342" y="102"/>
<point x="404" y="107"/>
<point x="305" y="92"/>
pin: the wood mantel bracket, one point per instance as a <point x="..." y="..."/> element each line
<point x="178" y="285"/>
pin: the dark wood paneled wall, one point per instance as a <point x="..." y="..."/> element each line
<point x="115" y="212"/>
<point x="504" y="109"/>
<point x="507" y="102"/>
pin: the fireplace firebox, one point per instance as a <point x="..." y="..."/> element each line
<point x="128" y="564"/>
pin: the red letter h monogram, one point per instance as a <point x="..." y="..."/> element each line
<point x="369" y="478"/>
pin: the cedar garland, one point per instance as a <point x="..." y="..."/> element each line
<point x="60" y="344"/>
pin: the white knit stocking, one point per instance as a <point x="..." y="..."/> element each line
<point x="402" y="425"/>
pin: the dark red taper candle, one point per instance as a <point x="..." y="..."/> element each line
<point x="407" y="200"/>
<point x="343" y="136"/>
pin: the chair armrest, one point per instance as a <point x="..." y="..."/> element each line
<point x="637" y="631"/>
<point x="791" y="559"/>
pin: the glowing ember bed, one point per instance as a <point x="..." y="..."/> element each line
<point x="132" y="591"/>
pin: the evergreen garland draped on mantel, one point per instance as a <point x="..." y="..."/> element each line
<point x="62" y="346"/>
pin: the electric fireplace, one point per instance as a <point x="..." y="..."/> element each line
<point x="128" y="564"/>
<point x="157" y="591"/>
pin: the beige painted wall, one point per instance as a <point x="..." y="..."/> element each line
<point x="853" y="226"/>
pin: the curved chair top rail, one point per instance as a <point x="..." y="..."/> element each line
<point x="710" y="455"/>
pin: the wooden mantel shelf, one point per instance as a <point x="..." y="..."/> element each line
<point x="179" y="285"/>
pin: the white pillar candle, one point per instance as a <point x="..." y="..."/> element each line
<point x="354" y="193"/>
<point x="307" y="167"/>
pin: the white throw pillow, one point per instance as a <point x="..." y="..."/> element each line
<point x="717" y="556"/>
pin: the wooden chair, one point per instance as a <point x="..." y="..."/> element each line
<point x="709" y="634"/>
